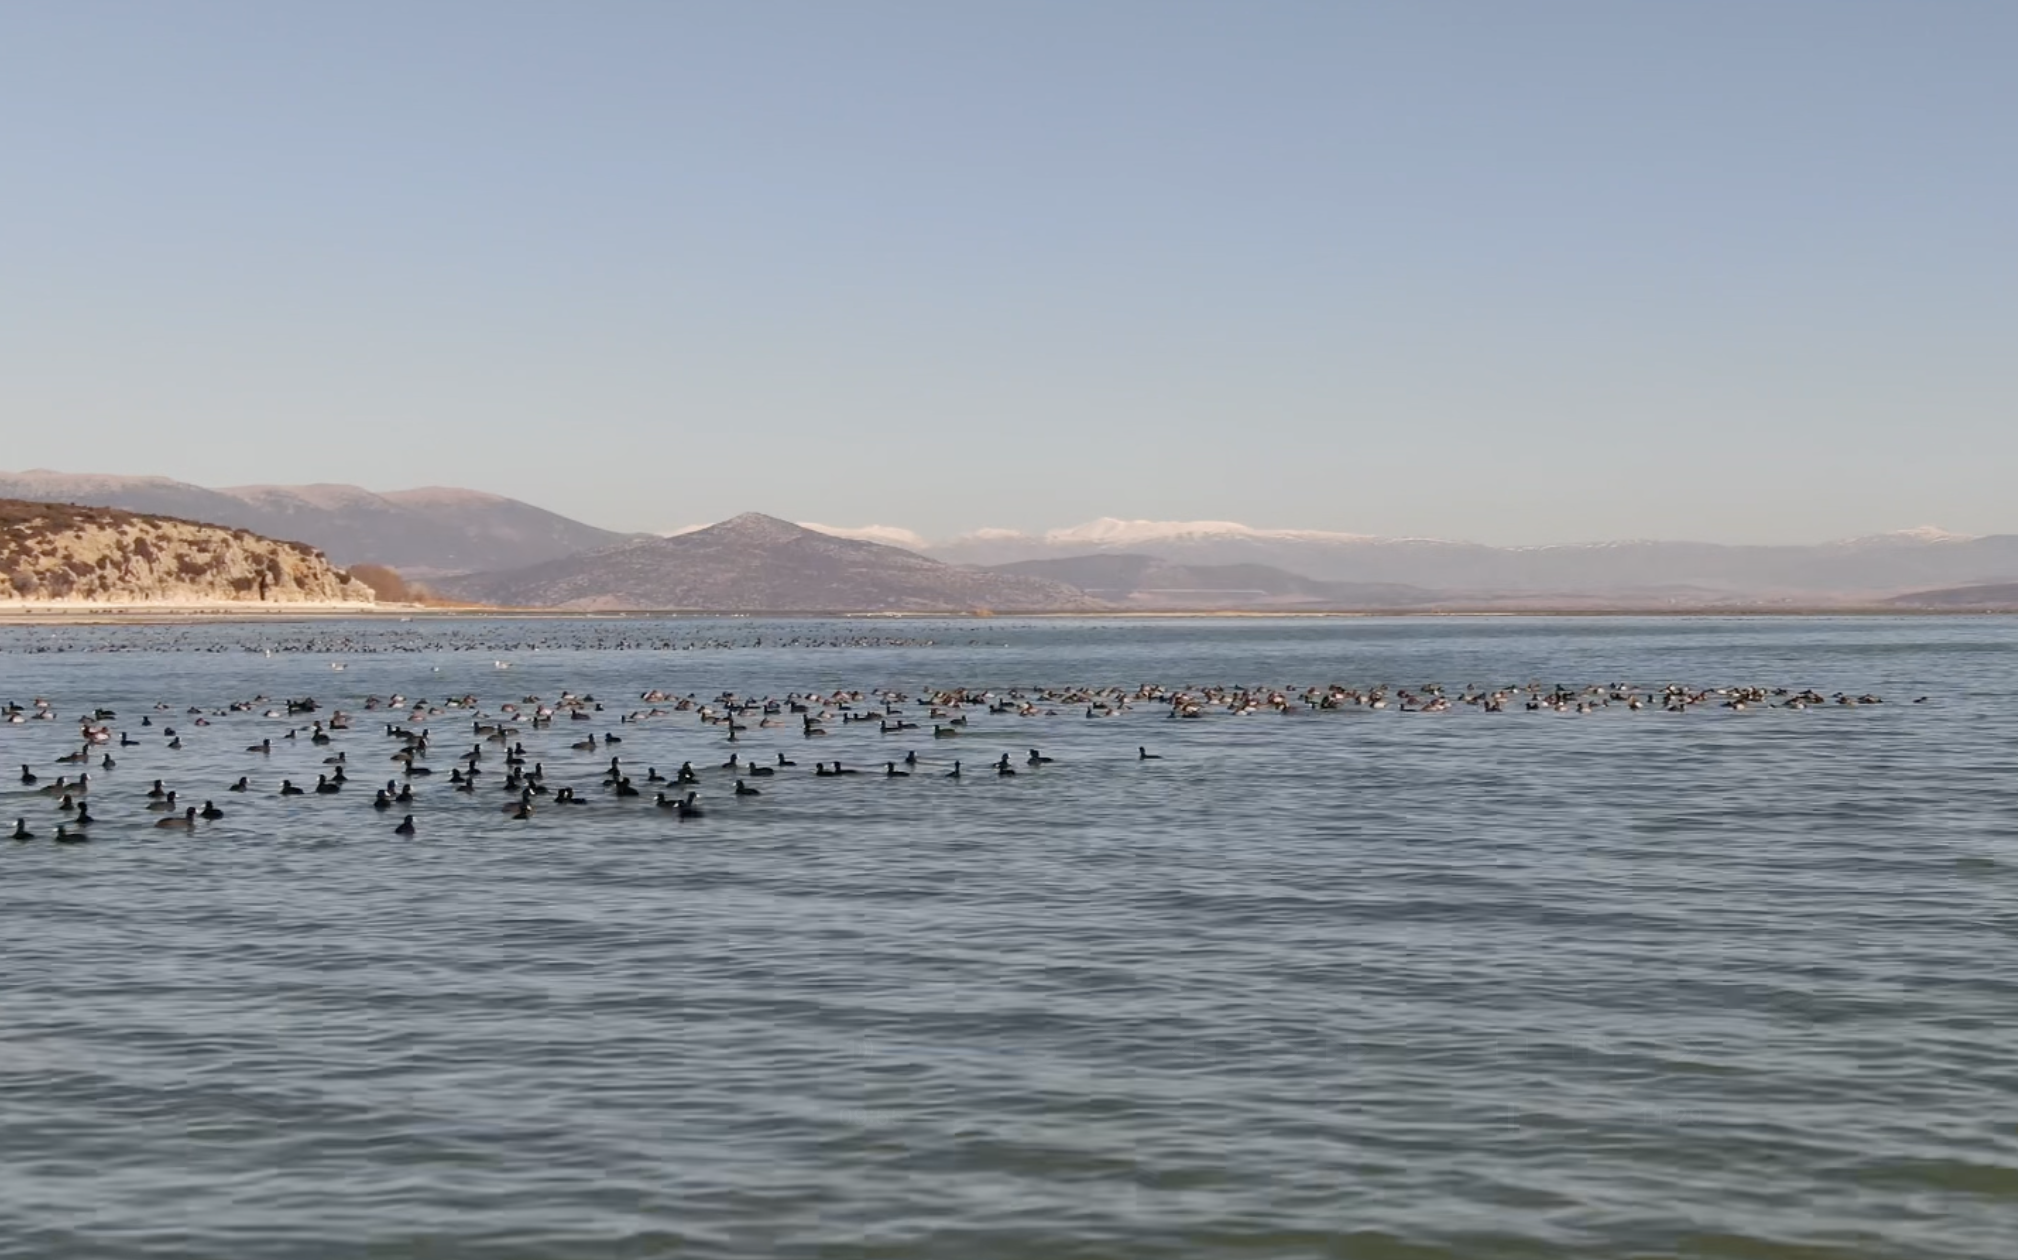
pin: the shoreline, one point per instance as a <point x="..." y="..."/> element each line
<point x="79" y="614"/>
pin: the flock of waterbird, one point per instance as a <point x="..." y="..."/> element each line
<point x="503" y="751"/>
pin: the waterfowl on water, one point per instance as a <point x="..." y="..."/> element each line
<point x="165" y="804"/>
<point x="1143" y="754"/>
<point x="210" y="812"/>
<point x="744" y="789"/>
<point x="287" y="788"/>
<point x="61" y="787"/>
<point x="63" y="836"/>
<point x="21" y="831"/>
<point x="405" y="828"/>
<point x="186" y="822"/>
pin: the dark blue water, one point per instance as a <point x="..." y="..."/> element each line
<point x="1731" y="983"/>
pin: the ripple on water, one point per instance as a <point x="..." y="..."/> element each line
<point x="1330" y="985"/>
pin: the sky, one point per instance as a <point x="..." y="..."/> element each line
<point x="1508" y="272"/>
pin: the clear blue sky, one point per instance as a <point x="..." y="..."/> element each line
<point x="1513" y="272"/>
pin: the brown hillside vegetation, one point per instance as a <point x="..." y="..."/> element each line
<point x="392" y="587"/>
<point x="61" y="551"/>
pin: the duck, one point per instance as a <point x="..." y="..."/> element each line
<point x="1038" y="759"/>
<point x="164" y="805"/>
<point x="744" y="789"/>
<point x="890" y="771"/>
<point x="323" y="787"/>
<point x="210" y="812"/>
<point x="64" y="836"/>
<point x="287" y="788"/>
<point x="61" y="787"/>
<point x="405" y="827"/>
<point x="21" y="831"/>
<point x="29" y="777"/>
<point x="1143" y="754"/>
<point x="186" y="821"/>
<point x="954" y="773"/>
<point x="243" y="785"/>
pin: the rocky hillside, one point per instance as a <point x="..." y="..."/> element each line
<point x="52" y="551"/>
<point x="419" y="532"/>
<point x="757" y="563"/>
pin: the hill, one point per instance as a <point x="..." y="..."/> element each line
<point x="1144" y="582"/>
<point x="1985" y="596"/>
<point x="757" y="563"/>
<point x="419" y="532"/>
<point x="54" y="551"/>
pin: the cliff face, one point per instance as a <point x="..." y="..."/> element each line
<point x="52" y="551"/>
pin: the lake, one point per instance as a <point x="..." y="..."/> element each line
<point x="1311" y="982"/>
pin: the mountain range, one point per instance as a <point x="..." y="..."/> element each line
<point x="435" y="534"/>
<point x="1643" y="572"/>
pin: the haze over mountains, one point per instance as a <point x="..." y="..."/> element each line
<point x="437" y="533"/>
<point x="1635" y="573"/>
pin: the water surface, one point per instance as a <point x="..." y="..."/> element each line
<point x="1369" y="984"/>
